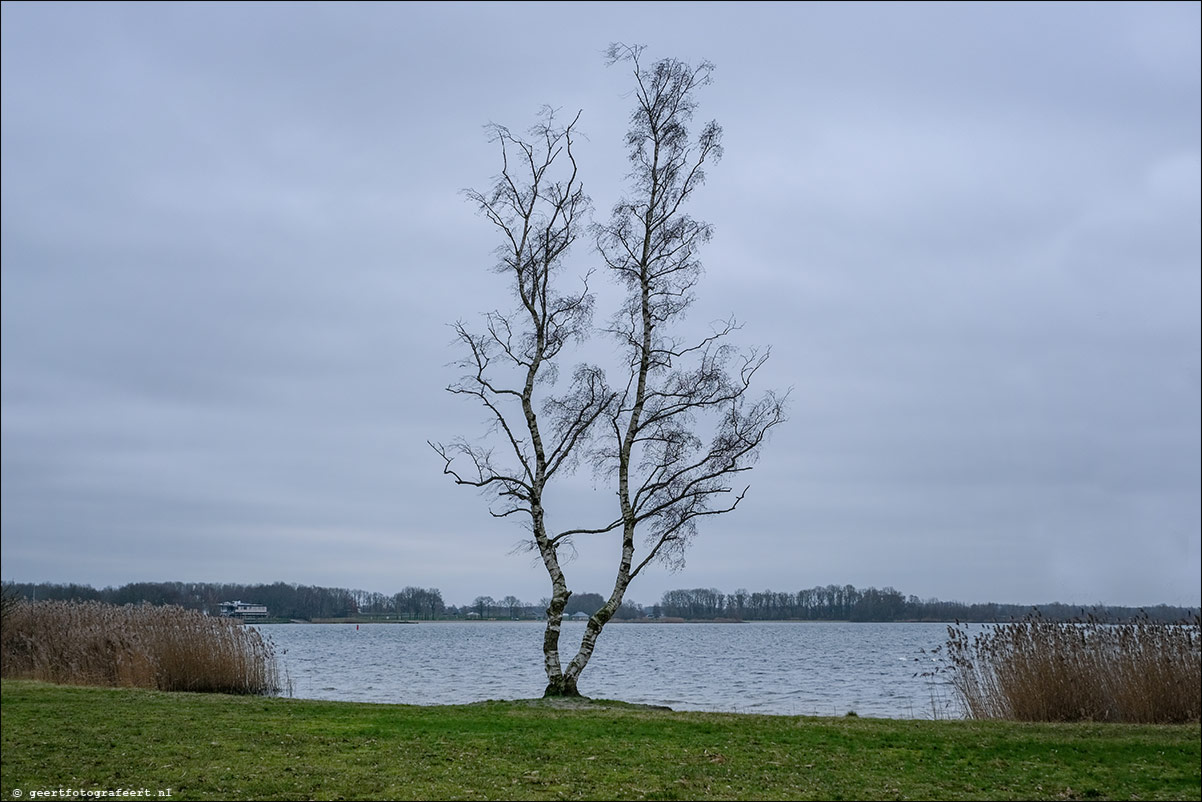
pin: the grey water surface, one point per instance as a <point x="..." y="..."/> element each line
<point x="826" y="669"/>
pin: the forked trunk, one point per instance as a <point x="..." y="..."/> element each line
<point x="561" y="687"/>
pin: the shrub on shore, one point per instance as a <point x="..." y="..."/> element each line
<point x="1038" y="670"/>
<point x="166" y="648"/>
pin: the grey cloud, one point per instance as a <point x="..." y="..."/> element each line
<point x="232" y="241"/>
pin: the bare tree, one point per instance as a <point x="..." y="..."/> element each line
<point x="538" y="207"/>
<point x="512" y="603"/>
<point x="483" y="605"/>
<point x="682" y="427"/>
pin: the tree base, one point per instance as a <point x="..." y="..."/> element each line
<point x="561" y="689"/>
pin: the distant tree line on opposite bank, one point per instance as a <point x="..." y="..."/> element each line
<point x="829" y="603"/>
<point x="283" y="600"/>
<point x="848" y="603"/>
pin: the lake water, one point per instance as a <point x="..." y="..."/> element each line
<point x="825" y="669"/>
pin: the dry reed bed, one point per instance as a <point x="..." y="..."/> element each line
<point x="1038" y="670"/>
<point x="168" y="648"/>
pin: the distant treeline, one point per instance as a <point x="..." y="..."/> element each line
<point x="302" y="602"/>
<point x="829" y="603"/>
<point x="848" y="603"/>
<point x="307" y="603"/>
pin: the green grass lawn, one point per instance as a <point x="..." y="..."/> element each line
<point x="199" y="746"/>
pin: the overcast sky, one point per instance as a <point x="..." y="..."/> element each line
<point x="234" y="238"/>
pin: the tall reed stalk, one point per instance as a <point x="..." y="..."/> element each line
<point x="1039" y="670"/>
<point x="168" y="648"/>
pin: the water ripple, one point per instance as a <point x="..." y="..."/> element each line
<point x="770" y="667"/>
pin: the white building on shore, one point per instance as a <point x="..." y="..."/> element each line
<point x="243" y="610"/>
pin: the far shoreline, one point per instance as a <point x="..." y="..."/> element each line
<point x="665" y="620"/>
